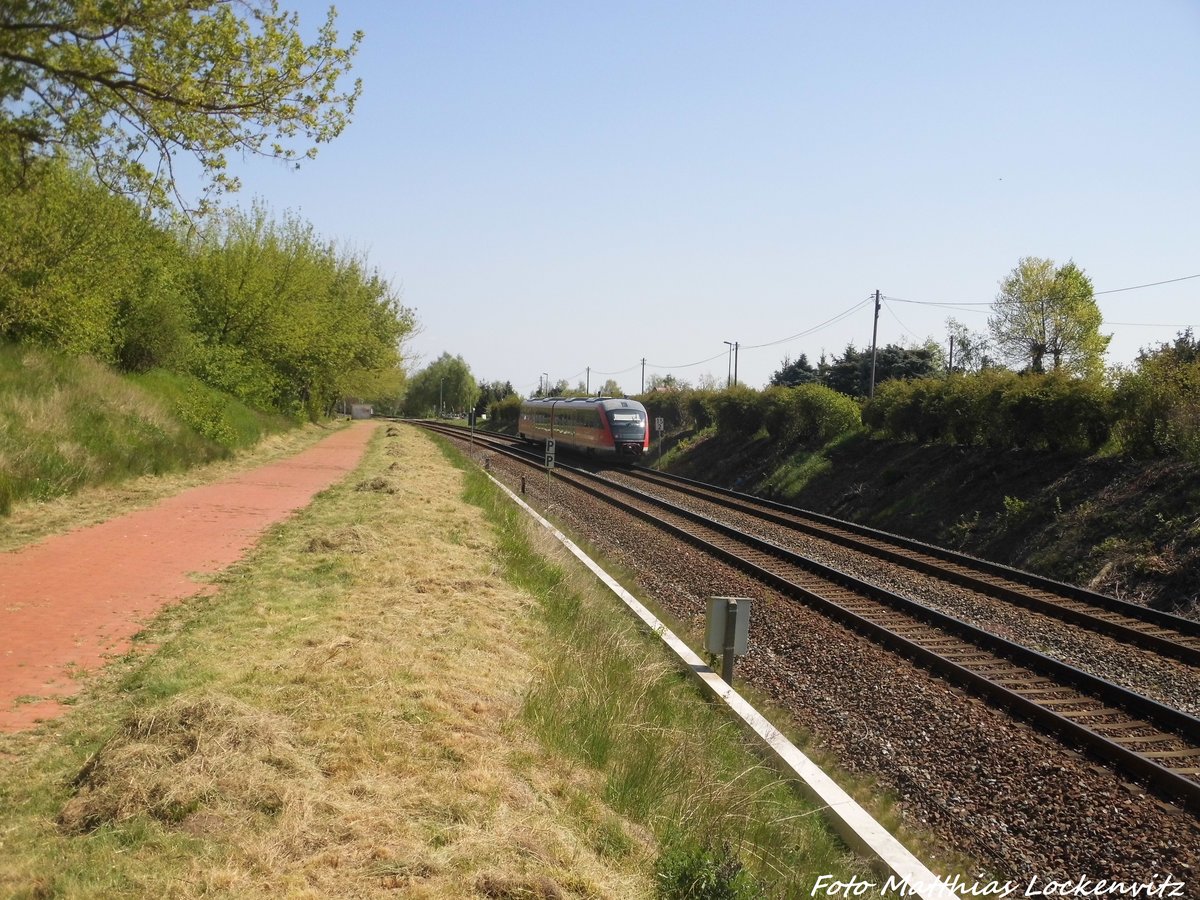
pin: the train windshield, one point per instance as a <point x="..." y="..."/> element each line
<point x="627" y="423"/>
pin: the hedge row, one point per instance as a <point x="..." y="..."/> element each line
<point x="996" y="409"/>
<point x="810" y="414"/>
<point x="1153" y="410"/>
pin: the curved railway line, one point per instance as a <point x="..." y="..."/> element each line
<point x="1148" y="740"/>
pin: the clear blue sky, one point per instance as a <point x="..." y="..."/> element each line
<point x="560" y="185"/>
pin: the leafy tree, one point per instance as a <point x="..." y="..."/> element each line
<point x="666" y="382"/>
<point x="285" y="319"/>
<point x="792" y="373"/>
<point x="1047" y="312"/>
<point x="1158" y="402"/>
<point x="850" y="373"/>
<point x="611" y="389"/>
<point x="446" y="382"/>
<point x="971" y="350"/>
<point x="490" y="392"/>
<point x="84" y="272"/>
<point x="129" y="85"/>
<point x="845" y="373"/>
<point x="895" y="361"/>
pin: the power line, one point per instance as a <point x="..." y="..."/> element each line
<point x="842" y="315"/>
<point x="1150" y="324"/>
<point x="960" y="305"/>
<point x="687" y="365"/>
<point x="1151" y="284"/>
<point x="950" y="304"/>
<point x="621" y="372"/>
<point x="853" y="309"/>
<point x="963" y="303"/>
<point x="903" y="327"/>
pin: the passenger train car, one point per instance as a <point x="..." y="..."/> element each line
<point x="598" y="426"/>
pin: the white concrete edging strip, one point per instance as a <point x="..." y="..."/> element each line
<point x="855" y="825"/>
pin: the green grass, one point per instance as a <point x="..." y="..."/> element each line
<point x="607" y="695"/>
<point x="67" y="422"/>
<point x="396" y="714"/>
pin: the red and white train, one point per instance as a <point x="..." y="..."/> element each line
<point x="598" y="426"/>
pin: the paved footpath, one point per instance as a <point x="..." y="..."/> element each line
<point x="70" y="602"/>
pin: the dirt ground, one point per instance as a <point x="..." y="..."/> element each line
<point x="72" y="601"/>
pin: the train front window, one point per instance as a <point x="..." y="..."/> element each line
<point x="627" y="424"/>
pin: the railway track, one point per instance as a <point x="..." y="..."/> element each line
<point x="1163" y="633"/>
<point x="1150" y="741"/>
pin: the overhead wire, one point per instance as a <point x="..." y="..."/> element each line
<point x="853" y="309"/>
<point x="903" y="327"/>
<point x="1137" y="287"/>
<point x="688" y="365"/>
<point x="957" y="303"/>
<point x="960" y="305"/>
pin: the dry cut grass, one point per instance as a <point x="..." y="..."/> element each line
<point x="341" y="720"/>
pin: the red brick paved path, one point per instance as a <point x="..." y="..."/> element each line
<point x="70" y="601"/>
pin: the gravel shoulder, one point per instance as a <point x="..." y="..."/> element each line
<point x="988" y="785"/>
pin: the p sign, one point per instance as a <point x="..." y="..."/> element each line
<point x="550" y="453"/>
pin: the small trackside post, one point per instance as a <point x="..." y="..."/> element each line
<point x="728" y="631"/>
<point x="728" y="654"/>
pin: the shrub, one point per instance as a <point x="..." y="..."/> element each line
<point x="997" y="409"/>
<point x="1158" y="404"/>
<point x="701" y="406"/>
<point x="671" y="406"/>
<point x="739" y="411"/>
<point x="810" y="414"/>
<point x="504" y="413"/>
<point x="1057" y="412"/>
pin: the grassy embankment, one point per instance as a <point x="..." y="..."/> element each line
<point x="67" y="422"/>
<point x="1113" y="523"/>
<point x="399" y="691"/>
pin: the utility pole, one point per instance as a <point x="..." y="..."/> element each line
<point x="735" y="355"/>
<point x="643" y="374"/>
<point x="874" y="338"/>
<point x="951" y="369"/>
<point x="728" y="363"/>
<point x="588" y="387"/>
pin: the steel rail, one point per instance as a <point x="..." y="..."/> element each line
<point x="1168" y="783"/>
<point x="1164" y="620"/>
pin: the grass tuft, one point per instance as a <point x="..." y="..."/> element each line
<point x="606" y="696"/>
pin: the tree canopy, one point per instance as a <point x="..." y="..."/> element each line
<point x="130" y="85"/>
<point x="491" y="392"/>
<point x="446" y="384"/>
<point x="970" y="351"/>
<point x="793" y="372"/>
<point x="1047" y="312"/>
<point x="265" y="310"/>
<point x="850" y="373"/>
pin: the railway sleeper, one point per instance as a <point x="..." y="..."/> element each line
<point x="1187" y="753"/>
